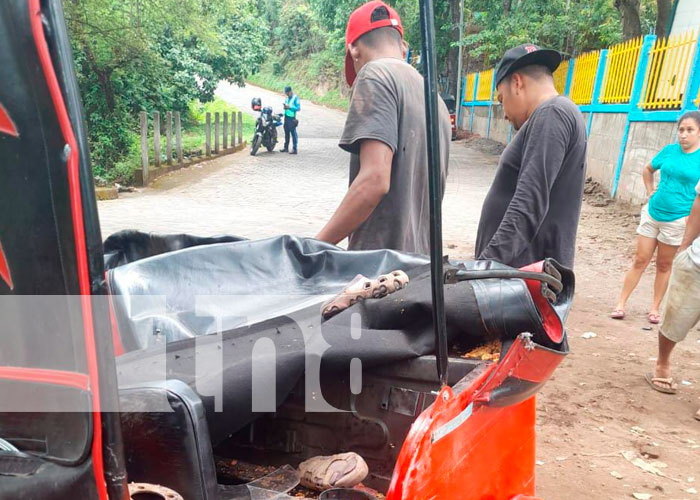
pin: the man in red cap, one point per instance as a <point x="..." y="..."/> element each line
<point x="386" y="205"/>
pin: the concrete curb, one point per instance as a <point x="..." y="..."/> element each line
<point x="106" y="193"/>
<point x="154" y="173"/>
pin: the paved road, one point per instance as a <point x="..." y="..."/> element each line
<point x="276" y="193"/>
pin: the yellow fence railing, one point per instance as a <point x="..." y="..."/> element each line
<point x="469" y="86"/>
<point x="483" y="90"/>
<point x="584" y="77"/>
<point x="670" y="63"/>
<point x="560" y="77"/>
<point x="622" y="62"/>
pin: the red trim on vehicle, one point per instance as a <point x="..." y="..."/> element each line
<point x="550" y="319"/>
<point x="79" y="235"/>
<point x="5" y="269"/>
<point x="43" y="376"/>
<point x="7" y="126"/>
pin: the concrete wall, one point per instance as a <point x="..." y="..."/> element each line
<point x="687" y="16"/>
<point x="499" y="125"/>
<point x="607" y="129"/>
<point x="644" y="141"/>
<point x="481" y="119"/>
<point x="604" y="143"/>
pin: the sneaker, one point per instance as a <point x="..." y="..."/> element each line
<point x="284" y="150"/>
<point x="344" y="470"/>
<point x="293" y="152"/>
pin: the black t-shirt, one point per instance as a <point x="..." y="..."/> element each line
<point x="532" y="209"/>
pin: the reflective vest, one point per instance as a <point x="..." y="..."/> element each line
<point x="293" y="106"/>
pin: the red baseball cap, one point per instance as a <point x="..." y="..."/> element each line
<point x="359" y="23"/>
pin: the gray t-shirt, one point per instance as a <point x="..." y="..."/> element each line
<point x="388" y="105"/>
<point x="694" y="249"/>
<point x="532" y="209"/>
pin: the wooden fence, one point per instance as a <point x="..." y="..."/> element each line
<point x="221" y="130"/>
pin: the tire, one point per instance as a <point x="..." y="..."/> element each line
<point x="255" y="145"/>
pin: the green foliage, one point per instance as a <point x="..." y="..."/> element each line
<point x="134" y="55"/>
<point x="571" y="26"/>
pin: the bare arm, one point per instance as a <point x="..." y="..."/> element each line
<point x="365" y="192"/>
<point x="648" y="178"/>
<point x="692" y="228"/>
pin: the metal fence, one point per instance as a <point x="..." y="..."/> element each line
<point x="647" y="79"/>
<point x="669" y="71"/>
<point x="585" y="70"/>
<point x="560" y="77"/>
<point x="484" y="89"/>
<point x="621" y="66"/>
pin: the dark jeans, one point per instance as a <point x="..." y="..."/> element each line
<point x="290" y="128"/>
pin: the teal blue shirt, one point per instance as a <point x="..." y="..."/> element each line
<point x="294" y="106"/>
<point x="680" y="173"/>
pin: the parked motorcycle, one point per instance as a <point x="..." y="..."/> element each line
<point x="265" y="127"/>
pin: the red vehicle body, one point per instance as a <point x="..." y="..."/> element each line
<point x="475" y="441"/>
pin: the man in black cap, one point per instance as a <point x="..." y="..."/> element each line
<point x="532" y="209"/>
<point x="291" y="108"/>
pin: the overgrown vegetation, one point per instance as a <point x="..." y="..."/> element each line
<point x="308" y="36"/>
<point x="134" y="55"/>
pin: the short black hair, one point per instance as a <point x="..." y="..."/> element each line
<point x="381" y="36"/>
<point x="534" y="71"/>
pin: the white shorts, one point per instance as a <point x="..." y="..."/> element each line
<point x="669" y="233"/>
<point x="681" y="309"/>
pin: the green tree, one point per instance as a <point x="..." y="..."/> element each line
<point x="133" y="55"/>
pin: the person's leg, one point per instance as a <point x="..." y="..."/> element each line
<point x="642" y="257"/>
<point x="664" y="262"/>
<point x="286" y="135"/>
<point x="295" y="137"/>
<point x="681" y="312"/>
<point x="663" y="362"/>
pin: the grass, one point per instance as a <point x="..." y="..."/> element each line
<point x="266" y="78"/>
<point x="193" y="138"/>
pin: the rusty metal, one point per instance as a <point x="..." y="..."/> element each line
<point x="136" y="489"/>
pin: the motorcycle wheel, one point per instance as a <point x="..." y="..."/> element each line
<point x="273" y="141"/>
<point x="255" y="145"/>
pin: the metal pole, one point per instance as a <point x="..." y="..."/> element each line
<point x="459" y="64"/>
<point x="435" y="186"/>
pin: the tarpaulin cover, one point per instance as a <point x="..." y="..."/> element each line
<point x="272" y="289"/>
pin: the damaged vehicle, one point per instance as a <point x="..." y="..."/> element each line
<point x="174" y="366"/>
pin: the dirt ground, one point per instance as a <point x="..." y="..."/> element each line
<point x="597" y="408"/>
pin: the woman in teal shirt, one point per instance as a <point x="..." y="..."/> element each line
<point x="664" y="216"/>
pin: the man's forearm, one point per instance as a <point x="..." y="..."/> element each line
<point x="692" y="228"/>
<point x="359" y="203"/>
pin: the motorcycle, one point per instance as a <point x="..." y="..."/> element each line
<point x="265" y="127"/>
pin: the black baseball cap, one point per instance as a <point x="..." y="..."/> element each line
<point x="287" y="89"/>
<point x="526" y="54"/>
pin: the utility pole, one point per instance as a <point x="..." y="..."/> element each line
<point x="458" y="97"/>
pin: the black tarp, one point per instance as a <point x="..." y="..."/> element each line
<point x="272" y="289"/>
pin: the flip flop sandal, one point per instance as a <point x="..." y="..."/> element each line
<point x="389" y="283"/>
<point x="344" y="470"/>
<point x="359" y="289"/>
<point x="697" y="415"/>
<point x="617" y="314"/>
<point x="670" y="388"/>
<point x="654" y="318"/>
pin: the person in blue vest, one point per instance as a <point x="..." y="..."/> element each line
<point x="291" y="108"/>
